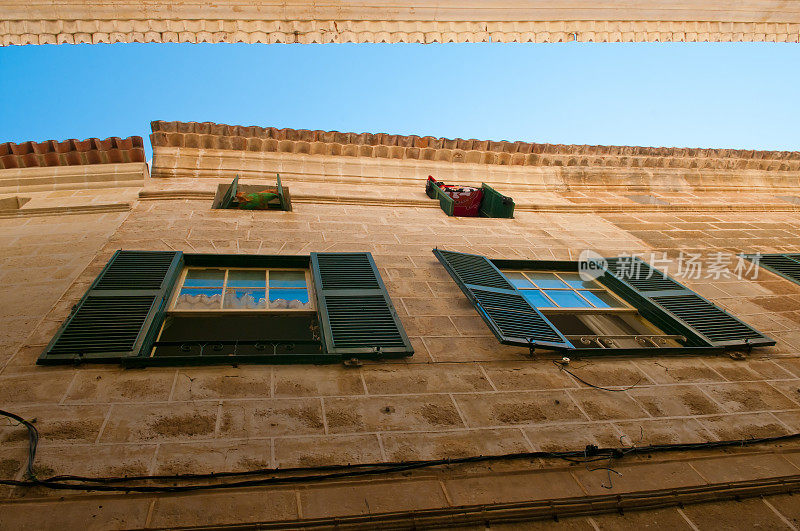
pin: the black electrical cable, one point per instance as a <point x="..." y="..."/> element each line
<point x="564" y="368"/>
<point x="33" y="440"/>
<point x="111" y="484"/>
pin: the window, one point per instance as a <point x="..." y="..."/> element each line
<point x="167" y="308"/>
<point x="253" y="196"/>
<point x="586" y="312"/>
<point x="239" y="312"/>
<point x="467" y="201"/>
<point x="547" y="304"/>
<point x="206" y="289"/>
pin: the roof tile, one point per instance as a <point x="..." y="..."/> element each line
<point x="71" y="152"/>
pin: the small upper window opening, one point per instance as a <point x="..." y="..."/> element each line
<point x="253" y="196"/>
<point x="468" y="201"/>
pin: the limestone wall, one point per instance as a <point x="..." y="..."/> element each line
<point x="462" y="393"/>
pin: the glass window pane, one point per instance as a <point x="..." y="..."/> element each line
<point x="287" y="279"/>
<point x="545" y="280"/>
<point x="245" y="299"/>
<point x="575" y="280"/>
<point x="198" y="299"/>
<point x="288" y="299"/>
<point x="247" y="278"/>
<point x="206" y="278"/>
<point x="602" y="299"/>
<point x="567" y="299"/>
<point x="535" y="297"/>
<point x="519" y="280"/>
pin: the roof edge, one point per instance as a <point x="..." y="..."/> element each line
<point x="72" y="152"/>
<point x="209" y="135"/>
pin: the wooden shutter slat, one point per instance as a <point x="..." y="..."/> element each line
<point x="688" y="310"/>
<point x="356" y="314"/>
<point x="113" y="319"/>
<point x="785" y="265"/>
<point x="509" y="315"/>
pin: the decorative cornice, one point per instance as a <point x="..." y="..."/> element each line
<point x="415" y="21"/>
<point x="113" y="150"/>
<point x="76" y="177"/>
<point x="211" y="136"/>
<point x="92" y="31"/>
<point x="565" y="207"/>
<point x="65" y="210"/>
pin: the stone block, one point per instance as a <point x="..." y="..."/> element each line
<point x="371" y="497"/>
<point x="213" y="456"/>
<point x="200" y="383"/>
<point x="153" y="385"/>
<point x="509" y="488"/>
<point x="305" y="380"/>
<point x="271" y="418"/>
<point x="220" y="508"/>
<point x="452" y="444"/>
<point x="391" y="413"/>
<point x="76" y="515"/>
<point x="327" y="450"/>
<point x="745" y="514"/>
<point x="160" y="422"/>
<point x="751" y="396"/>
<point x="404" y="379"/>
<point x="674" y="400"/>
<point x="518" y="408"/>
<point x="604" y="405"/>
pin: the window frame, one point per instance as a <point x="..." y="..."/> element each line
<point x="627" y="308"/>
<point x="624" y="308"/>
<point x="647" y="309"/>
<point x="179" y="285"/>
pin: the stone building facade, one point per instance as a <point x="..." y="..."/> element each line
<point x="461" y="394"/>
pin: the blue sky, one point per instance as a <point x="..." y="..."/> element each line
<point x="735" y="95"/>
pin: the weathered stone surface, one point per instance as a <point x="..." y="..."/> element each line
<point x="461" y="394"/>
<point x="303" y="21"/>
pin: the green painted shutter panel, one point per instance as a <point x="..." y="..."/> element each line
<point x="495" y="204"/>
<point x="785" y="265"/>
<point x="113" y="319"/>
<point x="230" y="194"/>
<point x="283" y="194"/>
<point x="691" y="312"/>
<point x="356" y="314"/>
<point x="509" y="315"/>
<point x="446" y="202"/>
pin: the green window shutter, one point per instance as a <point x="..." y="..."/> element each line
<point x="785" y="265"/>
<point x="445" y="201"/>
<point x="692" y="314"/>
<point x="355" y="312"/>
<point x="509" y="315"/>
<point x="495" y="204"/>
<point x="113" y="319"/>
<point x="283" y="193"/>
<point x="230" y="194"/>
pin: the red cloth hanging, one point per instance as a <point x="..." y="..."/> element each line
<point x="466" y="199"/>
